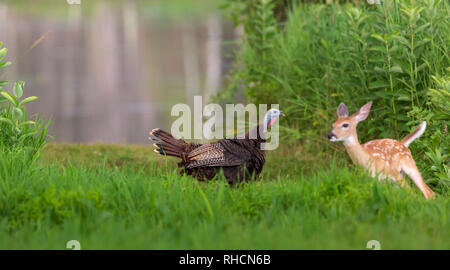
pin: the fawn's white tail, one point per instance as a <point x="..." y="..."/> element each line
<point x="415" y="134"/>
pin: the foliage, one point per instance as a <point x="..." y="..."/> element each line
<point x="395" y="54"/>
<point x="437" y="146"/>
<point x="21" y="139"/>
<point x="243" y="12"/>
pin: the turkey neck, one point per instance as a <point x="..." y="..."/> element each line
<point x="258" y="137"/>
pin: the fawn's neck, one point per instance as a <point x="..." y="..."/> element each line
<point x="356" y="152"/>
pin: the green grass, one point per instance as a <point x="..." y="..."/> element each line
<point x="126" y="197"/>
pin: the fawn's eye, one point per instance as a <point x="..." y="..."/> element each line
<point x="345" y="125"/>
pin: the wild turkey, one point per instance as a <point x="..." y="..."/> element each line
<point x="240" y="159"/>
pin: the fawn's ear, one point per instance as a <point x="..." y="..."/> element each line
<point x="342" y="110"/>
<point x="363" y="112"/>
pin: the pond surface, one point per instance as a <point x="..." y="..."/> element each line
<point x="110" y="71"/>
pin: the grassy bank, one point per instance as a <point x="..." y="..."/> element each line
<point x="115" y="197"/>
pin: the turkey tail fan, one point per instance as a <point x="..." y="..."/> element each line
<point x="166" y="144"/>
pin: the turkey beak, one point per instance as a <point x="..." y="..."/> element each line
<point x="282" y="114"/>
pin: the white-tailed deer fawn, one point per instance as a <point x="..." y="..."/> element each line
<point x="385" y="157"/>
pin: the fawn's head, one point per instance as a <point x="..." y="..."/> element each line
<point x="344" y="129"/>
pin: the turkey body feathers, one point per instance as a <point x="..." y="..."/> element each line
<point x="239" y="159"/>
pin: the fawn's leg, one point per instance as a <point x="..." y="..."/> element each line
<point x="411" y="170"/>
<point x="398" y="177"/>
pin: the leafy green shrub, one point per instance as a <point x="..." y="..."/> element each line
<point x="395" y="54"/>
<point x="21" y="139"/>
<point x="437" y="145"/>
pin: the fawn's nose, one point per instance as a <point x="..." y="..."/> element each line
<point x="331" y="135"/>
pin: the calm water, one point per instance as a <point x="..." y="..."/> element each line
<point x="111" y="71"/>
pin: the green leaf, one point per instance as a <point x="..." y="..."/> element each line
<point x="377" y="59"/>
<point x="380" y="38"/>
<point x="9" y="97"/>
<point x="421" y="28"/>
<point x="18" y="89"/>
<point x="378" y="48"/>
<point x="3" y="53"/>
<point x="396" y="69"/>
<point x="378" y="69"/>
<point x="24" y="136"/>
<point x="421" y="43"/>
<point x="422" y="66"/>
<point x="400" y="117"/>
<point x="402" y="64"/>
<point x="378" y="84"/>
<point x="404" y="83"/>
<point x="4" y="64"/>
<point x="394" y="48"/>
<point x="384" y="94"/>
<point x="403" y="97"/>
<point x="403" y="41"/>
<point x="6" y="120"/>
<point x="28" y="99"/>
<point x="27" y="123"/>
<point x="18" y="113"/>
